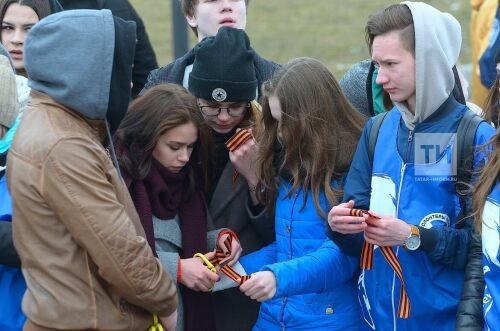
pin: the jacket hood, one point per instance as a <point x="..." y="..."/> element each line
<point x="438" y="39"/>
<point x="75" y="58"/>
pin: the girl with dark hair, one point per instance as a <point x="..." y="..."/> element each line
<point x="311" y="132"/>
<point x="16" y="18"/>
<point x="163" y="146"/>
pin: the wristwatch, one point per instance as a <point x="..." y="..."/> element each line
<point x="412" y="243"/>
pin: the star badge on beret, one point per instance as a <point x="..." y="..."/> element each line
<point x="219" y="94"/>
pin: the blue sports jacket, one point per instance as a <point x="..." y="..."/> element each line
<point x="316" y="285"/>
<point x="12" y="284"/>
<point x="398" y="184"/>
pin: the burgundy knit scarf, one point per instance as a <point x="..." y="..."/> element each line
<point x="162" y="193"/>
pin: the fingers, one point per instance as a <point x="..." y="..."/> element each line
<point x="261" y="286"/>
<point x="234" y="257"/>
<point x="170" y="321"/>
<point x="196" y="276"/>
<point x="236" y="251"/>
<point x="221" y="245"/>
<point x="349" y="204"/>
<point x="340" y="219"/>
<point x="349" y="228"/>
<point x="250" y="287"/>
<point x="206" y="281"/>
<point x="257" y="291"/>
<point x="210" y="255"/>
<point x="243" y="149"/>
<point x="343" y="209"/>
<point x="373" y="239"/>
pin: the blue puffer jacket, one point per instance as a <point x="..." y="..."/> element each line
<point x="304" y="261"/>
<point x="12" y="284"/>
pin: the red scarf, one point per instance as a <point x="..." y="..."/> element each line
<point x="162" y="193"/>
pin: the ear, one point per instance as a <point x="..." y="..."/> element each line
<point x="192" y="21"/>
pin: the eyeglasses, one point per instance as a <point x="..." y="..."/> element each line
<point x="233" y="111"/>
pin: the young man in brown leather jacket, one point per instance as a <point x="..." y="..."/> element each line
<point x="86" y="262"/>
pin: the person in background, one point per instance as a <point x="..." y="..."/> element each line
<point x="144" y="58"/>
<point x="206" y="18"/>
<point x="481" y="30"/>
<point x="75" y="228"/>
<point x="17" y="17"/>
<point x="303" y="279"/>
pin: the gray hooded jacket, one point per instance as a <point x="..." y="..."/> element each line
<point x="438" y="39"/>
<point x="89" y="73"/>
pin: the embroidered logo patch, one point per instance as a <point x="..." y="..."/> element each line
<point x="219" y="94"/>
<point x="435" y="219"/>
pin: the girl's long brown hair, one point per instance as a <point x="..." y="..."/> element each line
<point x="151" y="115"/>
<point x="490" y="175"/>
<point x="318" y="132"/>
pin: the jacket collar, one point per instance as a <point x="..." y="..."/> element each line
<point x="97" y="127"/>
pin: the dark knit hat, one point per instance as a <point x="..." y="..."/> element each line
<point x="223" y="68"/>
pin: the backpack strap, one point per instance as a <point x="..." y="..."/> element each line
<point x="372" y="139"/>
<point x="458" y="92"/>
<point x="466" y="134"/>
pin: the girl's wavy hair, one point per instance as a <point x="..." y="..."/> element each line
<point x="150" y="116"/>
<point x="490" y="174"/>
<point x="318" y="133"/>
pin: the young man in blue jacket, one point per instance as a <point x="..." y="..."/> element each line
<point x="409" y="183"/>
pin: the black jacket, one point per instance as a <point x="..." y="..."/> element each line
<point x="145" y="58"/>
<point x="174" y="72"/>
<point x="470" y="309"/>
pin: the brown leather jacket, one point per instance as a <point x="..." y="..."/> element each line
<point x="82" y="248"/>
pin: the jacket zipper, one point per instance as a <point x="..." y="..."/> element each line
<point x="285" y="299"/>
<point x="402" y="173"/>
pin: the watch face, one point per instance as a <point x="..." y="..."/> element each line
<point x="412" y="243"/>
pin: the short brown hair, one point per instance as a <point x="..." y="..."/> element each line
<point x="151" y="115"/>
<point x="188" y="9"/>
<point x="392" y="18"/>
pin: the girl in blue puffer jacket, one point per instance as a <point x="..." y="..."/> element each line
<point x="305" y="150"/>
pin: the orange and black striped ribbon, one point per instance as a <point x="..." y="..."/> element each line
<point x="226" y="269"/>
<point x="388" y="253"/>
<point x="238" y="139"/>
